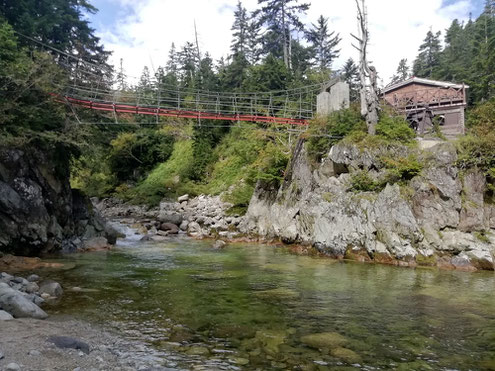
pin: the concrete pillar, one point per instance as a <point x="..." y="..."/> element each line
<point x="336" y="99"/>
<point x="323" y="103"/>
<point x="339" y="96"/>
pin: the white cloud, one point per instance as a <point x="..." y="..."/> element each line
<point x="397" y="28"/>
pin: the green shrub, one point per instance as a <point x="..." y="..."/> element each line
<point x="168" y="178"/>
<point x="271" y="164"/>
<point x="402" y="168"/>
<point x="240" y="197"/>
<point x="132" y="154"/>
<point x="324" y="132"/>
<point x="361" y="181"/>
<point x="476" y="151"/>
<point x="394" y="128"/>
<point x="481" y="119"/>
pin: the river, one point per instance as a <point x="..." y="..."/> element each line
<point x="251" y="306"/>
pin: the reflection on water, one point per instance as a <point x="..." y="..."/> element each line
<point x="258" y="307"/>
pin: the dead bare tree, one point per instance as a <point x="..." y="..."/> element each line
<point x="367" y="73"/>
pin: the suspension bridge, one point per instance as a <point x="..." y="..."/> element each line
<point x="89" y="88"/>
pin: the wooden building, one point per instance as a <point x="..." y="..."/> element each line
<point x="425" y="102"/>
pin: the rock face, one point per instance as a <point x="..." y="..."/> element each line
<point x="39" y="212"/>
<point x="438" y="218"/>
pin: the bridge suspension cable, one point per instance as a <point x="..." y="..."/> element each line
<point x="91" y="86"/>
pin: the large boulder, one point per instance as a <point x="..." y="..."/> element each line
<point x="15" y="303"/>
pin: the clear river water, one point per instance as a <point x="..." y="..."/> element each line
<point x="252" y="306"/>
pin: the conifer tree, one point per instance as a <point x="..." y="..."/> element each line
<point x="402" y="73"/>
<point x="323" y="43"/>
<point x="429" y="55"/>
<point x="281" y="18"/>
<point x="240" y="30"/>
<point x="350" y="74"/>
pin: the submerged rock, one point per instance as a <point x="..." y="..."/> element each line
<point x="69" y="343"/>
<point x="324" y="340"/>
<point x="51" y="288"/>
<point x="346" y="355"/>
<point x="219" y="244"/>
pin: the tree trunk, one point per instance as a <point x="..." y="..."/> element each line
<point x="367" y="74"/>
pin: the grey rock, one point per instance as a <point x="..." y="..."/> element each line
<point x="171" y="228"/>
<point x="1" y="355"/>
<point x="38" y="300"/>
<point x="6" y="276"/>
<point x="66" y="342"/>
<point x="95" y="243"/>
<point x="51" y="288"/>
<point x="183" y="225"/>
<point x="472" y="213"/>
<point x="12" y="367"/>
<point x="18" y="305"/>
<point x="4" y="316"/>
<point x="34" y="353"/>
<point x="20" y="280"/>
<point x="170" y="217"/>
<point x="33" y="278"/>
<point x="183" y="198"/>
<point x="219" y="244"/>
<point x="31" y="287"/>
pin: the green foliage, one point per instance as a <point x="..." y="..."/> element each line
<point x="400" y="169"/>
<point x="139" y="151"/>
<point x="482" y="236"/>
<point x="476" y="152"/>
<point x="239" y="196"/>
<point x="204" y="141"/>
<point x="324" y="132"/>
<point x="168" y="178"/>
<point x="394" y="128"/>
<point x="271" y="164"/>
<point x="361" y="181"/>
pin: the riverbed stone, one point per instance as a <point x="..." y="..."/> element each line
<point x="170" y="217"/>
<point x="346" y="355"/>
<point x="96" y="243"/>
<point x="67" y="342"/>
<point x="12" y="367"/>
<point x="4" y="316"/>
<point x="171" y="228"/>
<point x="31" y="287"/>
<point x="15" y="303"/>
<point x="326" y="340"/>
<point x="51" y="288"/>
<point x="33" y="278"/>
<point x="183" y="198"/>
<point x="219" y="244"/>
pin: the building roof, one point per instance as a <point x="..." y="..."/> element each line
<point x="419" y="80"/>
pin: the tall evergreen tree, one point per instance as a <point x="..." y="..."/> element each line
<point x="59" y="23"/>
<point x="402" y="73"/>
<point x="240" y="30"/>
<point x="281" y="18"/>
<point x="323" y="43"/>
<point x="350" y="74"/>
<point x="429" y="55"/>
<point x="188" y="65"/>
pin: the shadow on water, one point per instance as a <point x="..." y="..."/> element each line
<point x="254" y="306"/>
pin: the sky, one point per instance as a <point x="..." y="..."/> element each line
<point x="142" y="31"/>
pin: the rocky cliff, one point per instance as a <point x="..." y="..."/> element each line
<point x="440" y="217"/>
<point x="39" y="212"/>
